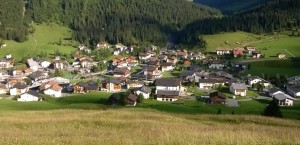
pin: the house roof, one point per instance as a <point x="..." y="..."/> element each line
<point x="145" y="89"/>
<point x="219" y="94"/>
<point x="167" y="93"/>
<point x="111" y="80"/>
<point x="239" y="86"/>
<point x="31" y="62"/>
<point x="213" y="81"/>
<point x="132" y="97"/>
<point x="274" y="90"/>
<point x="56" y="87"/>
<point x="92" y="87"/>
<point x="20" y="86"/>
<point x="82" y="84"/>
<point x="166" y="64"/>
<point x="36" y="75"/>
<point x="33" y="93"/>
<point x="295" y="88"/>
<point x="281" y="96"/>
<point x="168" y="82"/>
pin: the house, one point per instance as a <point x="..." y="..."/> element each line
<point x="131" y="100"/>
<point x="16" y="72"/>
<point x="250" y="49"/>
<point x="217" y="98"/>
<point x="294" y="90"/>
<point x="256" y="54"/>
<point x="30" y="96"/>
<point x="18" y="89"/>
<point x="223" y="51"/>
<point x="85" y="62"/>
<point x="167" y="89"/>
<point x="32" y="64"/>
<point x="144" y="91"/>
<point x="273" y="91"/>
<point x="111" y="85"/>
<point x="182" y="54"/>
<point x="144" y="56"/>
<point x="121" y="72"/>
<point x="238" y="89"/>
<point x="54" y="91"/>
<point x="134" y="84"/>
<point x="208" y="83"/>
<point x="79" y="87"/>
<point x="102" y="45"/>
<point x="152" y="71"/>
<point x="86" y="87"/>
<point x="283" y="99"/>
<point x="253" y="80"/>
<point x="281" y="55"/>
<point x="217" y="64"/>
<point x="7" y="62"/>
<point x="187" y="63"/>
<point x="60" y="64"/>
<point x="173" y="60"/>
<point x="238" y="52"/>
<point x="294" y="80"/>
<point x="154" y="63"/>
<point x="3" y="89"/>
<point x="166" y="66"/>
<point x="38" y="75"/>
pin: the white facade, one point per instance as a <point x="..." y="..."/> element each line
<point x="254" y="81"/>
<point x="168" y="88"/>
<point x="145" y="95"/>
<point x="167" y="68"/>
<point x="15" y="91"/>
<point x="167" y="99"/>
<point x="223" y="52"/>
<point x="286" y="102"/>
<point x="216" y="66"/>
<point x="53" y="93"/>
<point x="27" y="98"/>
<point x="206" y="85"/>
<point x="238" y="92"/>
<point x="3" y="91"/>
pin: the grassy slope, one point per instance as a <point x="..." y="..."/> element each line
<point x="47" y="38"/>
<point x="142" y="126"/>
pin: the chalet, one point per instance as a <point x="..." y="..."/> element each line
<point x="250" y="49"/>
<point x="86" y="62"/>
<point x="273" y="91"/>
<point x="239" y="89"/>
<point x="144" y="56"/>
<point x="80" y="87"/>
<point x="121" y="72"/>
<point x="187" y="63"/>
<point x="18" y="89"/>
<point x="294" y="90"/>
<point x="152" y="71"/>
<point x="144" y="91"/>
<point x="6" y="63"/>
<point x="86" y="87"/>
<point x="208" y="83"/>
<point x="60" y="64"/>
<point x="283" y="99"/>
<point x="30" y="96"/>
<point x="173" y="60"/>
<point x="182" y="54"/>
<point x="13" y="81"/>
<point x="253" y="80"/>
<point x="281" y="56"/>
<point x="223" y="51"/>
<point x="32" y="64"/>
<point x="3" y="89"/>
<point x="54" y="91"/>
<point x="166" y="66"/>
<point x="294" y="80"/>
<point x="238" y="52"/>
<point x="131" y="100"/>
<point x="256" y="54"/>
<point x="111" y="85"/>
<point x="134" y="84"/>
<point x="217" y="64"/>
<point x="38" y="75"/>
<point x="217" y="98"/>
<point x="167" y="89"/>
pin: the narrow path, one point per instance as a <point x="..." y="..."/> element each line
<point x="289" y="53"/>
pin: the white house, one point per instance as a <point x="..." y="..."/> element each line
<point x="3" y="89"/>
<point x="167" y="89"/>
<point x="294" y="90"/>
<point x="33" y="64"/>
<point x="207" y="83"/>
<point x="283" y="99"/>
<point x="239" y="89"/>
<point x="45" y="64"/>
<point x="54" y="91"/>
<point x="166" y="66"/>
<point x="274" y="91"/>
<point x="253" y="80"/>
<point x="18" y="89"/>
<point x="217" y="64"/>
<point x="29" y="96"/>
<point x="144" y="91"/>
<point x="223" y="51"/>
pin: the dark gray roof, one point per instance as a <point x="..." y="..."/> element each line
<point x="82" y="84"/>
<point x="111" y="80"/>
<point x="187" y="73"/>
<point x="145" y="89"/>
<point x="166" y="64"/>
<point x="294" y="88"/>
<point x="36" y="75"/>
<point x="219" y="94"/>
<point x="280" y="96"/>
<point x="20" y="86"/>
<point x="168" y="93"/>
<point x="208" y="81"/>
<point x="274" y="90"/>
<point x="132" y="97"/>
<point x="33" y="93"/>
<point x="168" y="82"/>
<point x="239" y="86"/>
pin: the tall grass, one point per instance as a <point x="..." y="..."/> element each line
<point x="142" y="126"/>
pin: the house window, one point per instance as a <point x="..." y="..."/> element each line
<point x="167" y="99"/>
<point x="171" y="100"/>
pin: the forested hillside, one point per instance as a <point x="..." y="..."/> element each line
<point x="126" y="21"/>
<point x="276" y="15"/>
<point x="12" y="20"/>
<point x="231" y="6"/>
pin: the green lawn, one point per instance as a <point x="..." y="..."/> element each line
<point x="168" y="74"/>
<point x="47" y="37"/>
<point x="282" y="67"/>
<point x="282" y="45"/>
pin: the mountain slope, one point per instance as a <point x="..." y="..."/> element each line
<point x="126" y="21"/>
<point x="231" y="6"/>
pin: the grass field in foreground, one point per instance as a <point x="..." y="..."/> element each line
<point x="47" y="37"/>
<point x="142" y="126"/>
<point x="99" y="101"/>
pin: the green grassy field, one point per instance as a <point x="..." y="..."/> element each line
<point x="99" y="101"/>
<point x="45" y="39"/>
<point x="281" y="67"/>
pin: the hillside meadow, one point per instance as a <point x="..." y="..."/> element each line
<point x="45" y="39"/>
<point x="142" y="126"/>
